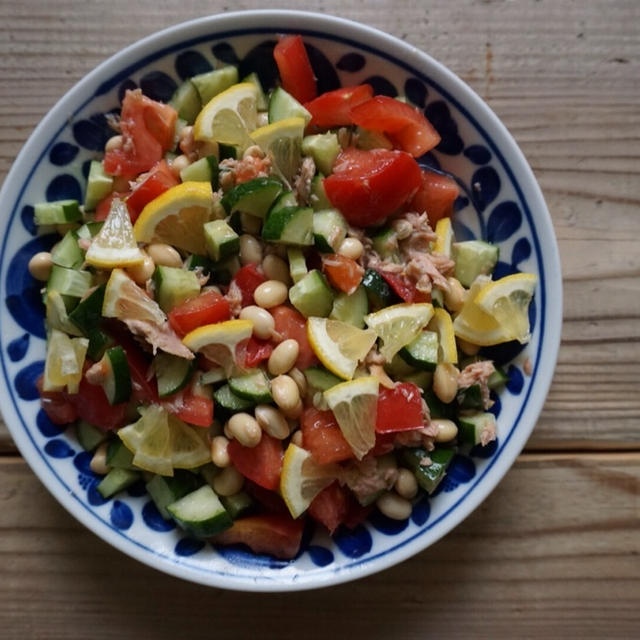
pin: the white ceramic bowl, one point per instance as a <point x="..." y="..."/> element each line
<point x="503" y="204"/>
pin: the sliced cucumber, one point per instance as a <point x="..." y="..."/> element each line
<point x="59" y="212"/>
<point x="318" y="197"/>
<point x="430" y="476"/>
<point x="117" y="480"/>
<point x="211" y="83"/>
<point x="261" y="102"/>
<point x="238" y="504"/>
<point x="437" y="408"/>
<point x="222" y="241"/>
<point x="399" y="367"/>
<point x="378" y="291"/>
<point x="422" y="352"/>
<point x="229" y="401"/>
<point x="297" y="264"/>
<point x="471" y="427"/>
<point x="186" y="101"/>
<point x="323" y="148"/>
<point x="422" y="379"/>
<point x="67" y="252"/>
<point x="283" y="105"/>
<point x="437" y="298"/>
<point x="200" y="513"/>
<point x="212" y="376"/>
<point x="194" y="262"/>
<point x="320" y="379"/>
<point x="88" y="313"/>
<point x="117" y="382"/>
<point x="312" y="296"/>
<point x="290" y="225"/>
<point x="329" y="230"/>
<point x="174" y="285"/>
<point x="118" y="456"/>
<point x="284" y="200"/>
<point x="167" y="490"/>
<point x="99" y="342"/>
<point x="202" y="170"/>
<point x="385" y="244"/>
<point x="254" y="197"/>
<point x="498" y="378"/>
<point x="172" y="373"/>
<point x="89" y="437"/>
<point x="351" y="308"/>
<point x="69" y="283"/>
<point x="89" y="230"/>
<point x="470" y="397"/>
<point x="99" y="185"/>
<point x="474" y="258"/>
<point x="253" y="386"/>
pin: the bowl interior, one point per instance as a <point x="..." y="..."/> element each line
<point x="500" y="202"/>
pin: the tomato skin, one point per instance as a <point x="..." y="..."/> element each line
<point x="367" y="186"/>
<point x="275" y="534"/>
<point x="91" y="404"/>
<point x="256" y="351"/>
<point x="268" y="500"/>
<point x="104" y="206"/>
<point x="295" y="69"/>
<point x="322" y="436"/>
<point x="399" y="409"/>
<point x="207" y="308"/>
<point x="343" y="273"/>
<point x="147" y="129"/>
<point x="262" y="464"/>
<point x="330" y="507"/>
<point x="155" y="183"/>
<point x="333" y="108"/>
<point x="56" y="405"/>
<point x="247" y="279"/>
<point x="191" y="408"/>
<point x="403" y="287"/>
<point x="436" y="196"/>
<point x="289" y="323"/>
<point x="406" y="126"/>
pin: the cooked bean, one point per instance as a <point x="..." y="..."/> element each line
<point x="270" y="294"/>
<point x="447" y="429"/>
<point x="445" y="382"/>
<point x="113" y="143"/>
<point x="164" y="255"/>
<point x="228" y="482"/>
<point x="300" y="379"/>
<point x="406" y="484"/>
<point x="275" y="268"/>
<point x="263" y="322"/>
<point x="40" y="266"/>
<point x="143" y="271"/>
<point x="468" y="348"/>
<point x="351" y="248"/>
<point x="178" y="164"/>
<point x="283" y="357"/>
<point x="245" y="429"/>
<point x="272" y="421"/>
<point x="454" y="297"/>
<point x="296" y="438"/>
<point x="285" y="392"/>
<point x="98" y="463"/>
<point x="295" y="412"/>
<point x="219" y="453"/>
<point x="393" y="506"/>
<point x="250" y="249"/>
<point x="403" y="228"/>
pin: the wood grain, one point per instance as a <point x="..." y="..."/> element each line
<point x="563" y="564"/>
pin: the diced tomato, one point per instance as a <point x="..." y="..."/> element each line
<point x="291" y="324"/>
<point x="268" y="499"/>
<point x="321" y="436"/>
<point x="92" y="405"/>
<point x="208" y="308"/>
<point x="277" y="535"/>
<point x="399" y="409"/>
<point x="191" y="408"/>
<point x="256" y="351"/>
<point x="147" y="129"/>
<point x="295" y="69"/>
<point x="367" y="186"/>
<point x="330" y="507"/>
<point x="153" y="184"/>
<point x="248" y="278"/>
<point x="56" y="405"/>
<point x="357" y="513"/>
<point x="262" y="464"/>
<point x="403" y="287"/>
<point x="406" y="126"/>
<point x="436" y="196"/>
<point x="104" y="206"/>
<point x="384" y="444"/>
<point x="343" y="273"/>
<point x="333" y="108"/>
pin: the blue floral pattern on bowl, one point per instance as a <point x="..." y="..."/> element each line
<point x="491" y="206"/>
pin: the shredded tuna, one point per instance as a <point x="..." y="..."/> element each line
<point x="159" y="337"/>
<point x="302" y="182"/>
<point x="236" y="171"/>
<point x="478" y="373"/>
<point x="425" y="461"/>
<point x="234" y="298"/>
<point x="201" y="276"/>
<point x="374" y="261"/>
<point x="423" y="437"/>
<point x="368" y="477"/>
<point x="428" y="269"/>
<point x="420" y="235"/>
<point x="488" y="434"/>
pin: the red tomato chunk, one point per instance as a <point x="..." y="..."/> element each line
<point x="262" y="464"/>
<point x="436" y="196"/>
<point x="207" y="308"/>
<point x="343" y="273"/>
<point x="322" y="436"/>
<point x="149" y="187"/>
<point x="248" y="279"/>
<point x="291" y="324"/>
<point x="333" y="108"/>
<point x="295" y="69"/>
<point x="399" y="409"/>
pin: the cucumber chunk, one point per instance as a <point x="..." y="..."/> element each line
<point x="284" y="200"/>
<point x="428" y="477"/>
<point x="186" y="101"/>
<point x="194" y="261"/>
<point x="172" y="373"/>
<point x="378" y="291"/>
<point x="320" y="379"/>
<point x="437" y="408"/>
<point x="290" y="225"/>
<point x="323" y="148"/>
<point x="422" y="352"/>
<point x="99" y="185"/>
<point x="318" y="197"/>
<point x="329" y="230"/>
<point x="174" y="285"/>
<point x="385" y="244"/>
<point x="118" y="456"/>
<point x="88" y="313"/>
<point x="117" y="480"/>
<point x="99" y="342"/>
<point x="211" y="83"/>
<point x="89" y="437"/>
<point x="203" y="170"/>
<point x="229" y="401"/>
<point x="252" y="386"/>
<point x="471" y="427"/>
<point x="297" y="264"/>
<point x="67" y="252"/>
<point x="474" y="258"/>
<point x="311" y="295"/>
<point x="238" y="504"/>
<point x="470" y="397"/>
<point x="59" y="212"/>
<point x="72" y="283"/>
<point x="262" y="102"/>
<point x="254" y="197"/>
<point x="222" y="241"/>
<point x="167" y="490"/>
<point x="200" y="513"/>
<point x="117" y="379"/>
<point x="351" y="308"/>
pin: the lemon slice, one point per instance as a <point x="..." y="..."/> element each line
<point x="445" y="238"/>
<point x="115" y="244"/>
<point x="228" y="117"/>
<point x="507" y="301"/>
<point x="161" y="442"/>
<point x="339" y="345"/>
<point x="442" y="324"/>
<point x="282" y="142"/>
<point x="218" y="342"/>
<point x="398" y="325"/>
<point x="125" y="300"/>
<point x="355" y="407"/>
<point x="177" y="217"/>
<point x="64" y="362"/>
<point x="303" y="479"/>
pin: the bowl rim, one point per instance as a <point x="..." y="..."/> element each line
<point x="530" y="196"/>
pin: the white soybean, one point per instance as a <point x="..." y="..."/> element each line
<point x="283" y="357"/>
<point x="270" y="294"/>
<point x="263" y="322"/>
<point x="272" y="421"/>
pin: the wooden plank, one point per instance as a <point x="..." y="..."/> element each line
<point x="545" y="562"/>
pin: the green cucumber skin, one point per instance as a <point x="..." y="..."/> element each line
<point x="89" y="437"/>
<point x="166" y="490"/>
<point x="228" y="401"/>
<point x="379" y="292"/>
<point x="470" y="397"/>
<point x="117" y="386"/>
<point x="172" y="373"/>
<point x="238" y="504"/>
<point x="289" y="225"/>
<point x="118" y="456"/>
<point x="351" y="308"/>
<point x="321" y="379"/>
<point x="253" y="387"/>
<point x="117" y="480"/>
<point x="213" y="519"/>
<point x="422" y="353"/>
<point x="88" y="314"/>
<point x="428" y="477"/>
<point x="312" y="296"/>
<point x="255" y="196"/>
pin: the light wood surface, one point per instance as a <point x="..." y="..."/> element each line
<point x="554" y="551"/>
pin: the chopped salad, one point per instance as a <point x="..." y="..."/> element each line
<point x="261" y="312"/>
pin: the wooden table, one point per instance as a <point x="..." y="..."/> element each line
<point x="554" y="551"/>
